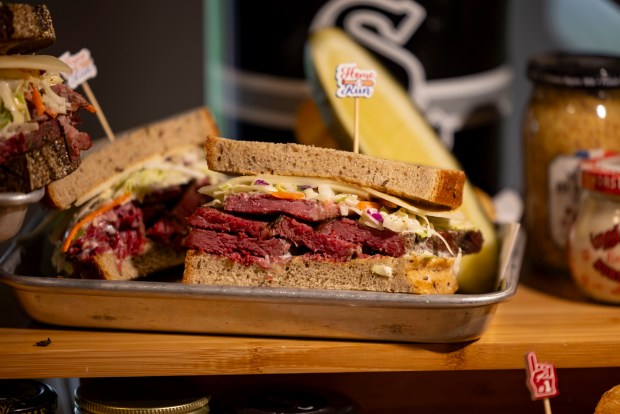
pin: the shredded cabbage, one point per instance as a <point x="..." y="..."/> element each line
<point x="159" y="172"/>
<point x="15" y="86"/>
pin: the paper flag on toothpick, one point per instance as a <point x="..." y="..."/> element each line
<point x="84" y="69"/>
<point x="542" y="380"/>
<point x="82" y="65"/>
<point x="353" y="82"/>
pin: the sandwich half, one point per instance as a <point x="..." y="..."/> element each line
<point x="129" y="199"/>
<point x="309" y="217"/>
<point x="39" y="113"/>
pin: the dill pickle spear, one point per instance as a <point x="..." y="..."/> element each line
<point x="391" y="127"/>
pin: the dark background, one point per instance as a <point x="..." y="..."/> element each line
<point x="149" y="56"/>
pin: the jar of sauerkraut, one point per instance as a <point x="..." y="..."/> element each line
<point x="574" y="108"/>
<point x="594" y="239"/>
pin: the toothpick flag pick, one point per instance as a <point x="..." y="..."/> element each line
<point x="541" y="380"/>
<point x="84" y="68"/>
<point x="354" y="82"/>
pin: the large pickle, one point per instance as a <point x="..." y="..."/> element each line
<point x="391" y="127"/>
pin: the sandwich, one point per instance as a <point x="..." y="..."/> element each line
<point x="300" y="216"/>
<point x="609" y="402"/>
<point x="128" y="200"/>
<point x="39" y="114"/>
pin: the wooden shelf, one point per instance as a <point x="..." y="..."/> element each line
<point x="547" y="316"/>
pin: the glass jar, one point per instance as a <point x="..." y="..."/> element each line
<point x="574" y="107"/>
<point x="27" y="397"/>
<point x="594" y="239"/>
<point x="139" y="396"/>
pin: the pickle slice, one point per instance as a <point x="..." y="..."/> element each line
<point x="391" y="127"/>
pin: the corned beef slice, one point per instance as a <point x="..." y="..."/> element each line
<point x="469" y="241"/>
<point x="238" y="247"/>
<point x="307" y="210"/>
<point x="304" y="235"/>
<point x="191" y="199"/>
<point x="373" y="240"/>
<point x="224" y="233"/>
<point x="127" y="238"/>
<point x="77" y="141"/>
<point x="212" y="219"/>
<point x="76" y="101"/>
<point x="167" y="222"/>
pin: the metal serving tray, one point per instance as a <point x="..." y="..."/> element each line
<point x="175" y="307"/>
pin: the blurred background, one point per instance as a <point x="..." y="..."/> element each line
<point x="156" y="58"/>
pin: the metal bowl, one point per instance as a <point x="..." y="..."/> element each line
<point x="13" y="209"/>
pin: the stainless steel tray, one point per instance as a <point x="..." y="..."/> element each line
<point x="175" y="307"/>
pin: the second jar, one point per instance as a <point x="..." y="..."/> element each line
<point x="574" y="108"/>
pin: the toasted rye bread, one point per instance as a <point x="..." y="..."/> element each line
<point x="131" y="149"/>
<point x="155" y="258"/>
<point x="427" y="187"/>
<point x="36" y="168"/>
<point x="415" y="274"/>
<point x="25" y="28"/>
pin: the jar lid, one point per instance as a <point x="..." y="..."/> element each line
<point x="602" y="175"/>
<point x="27" y="396"/>
<point x="290" y="401"/>
<point x="138" y="396"/>
<point x="575" y="70"/>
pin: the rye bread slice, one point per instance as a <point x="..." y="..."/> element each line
<point x="154" y="258"/>
<point x="25" y="28"/>
<point x="38" y="167"/>
<point x="427" y="187"/>
<point x="411" y="274"/>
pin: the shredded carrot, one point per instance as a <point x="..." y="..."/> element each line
<point x="289" y="195"/>
<point x="90" y="217"/>
<point x="37" y="100"/>
<point x="51" y="112"/>
<point x="362" y="205"/>
<point x="91" y="109"/>
<point x="389" y="204"/>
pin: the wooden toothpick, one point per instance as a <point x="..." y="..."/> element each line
<point x="353" y="82"/>
<point x="356" y="127"/>
<point x="100" y="114"/>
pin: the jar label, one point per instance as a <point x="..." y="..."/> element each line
<point x="605" y="242"/>
<point x="594" y="253"/>
<point x="564" y="196"/>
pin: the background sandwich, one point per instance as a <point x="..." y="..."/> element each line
<point x="310" y="217"/>
<point x="609" y="402"/>
<point x="130" y="198"/>
<point x="39" y="114"/>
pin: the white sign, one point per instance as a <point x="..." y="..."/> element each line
<point x="354" y="82"/>
<point x="82" y="65"/>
